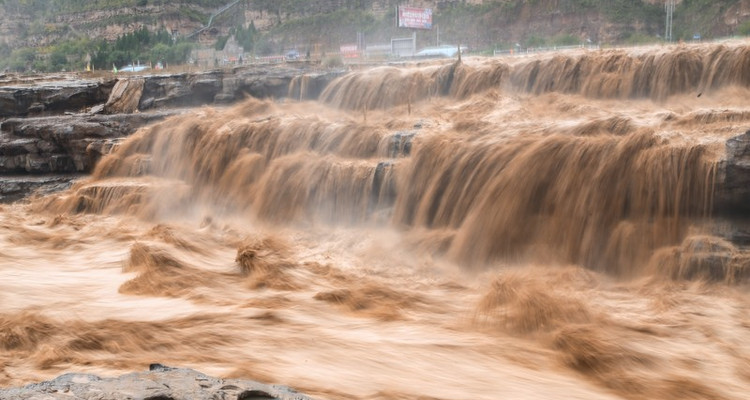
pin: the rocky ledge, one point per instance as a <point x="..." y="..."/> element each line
<point x="14" y="188"/>
<point x="30" y="96"/>
<point x="159" y="383"/>
<point x="732" y="195"/>
<point x="65" y="143"/>
<point x="22" y="96"/>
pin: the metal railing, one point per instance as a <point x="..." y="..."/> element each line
<point x="211" y="19"/>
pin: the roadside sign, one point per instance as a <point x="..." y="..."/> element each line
<point x="414" y="17"/>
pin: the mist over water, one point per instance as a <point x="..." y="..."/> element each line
<point x="536" y="228"/>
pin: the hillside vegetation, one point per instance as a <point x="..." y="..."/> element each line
<point x="51" y="35"/>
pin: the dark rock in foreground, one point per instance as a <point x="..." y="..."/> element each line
<point x="161" y="382"/>
<point x="14" y="188"/>
<point x="65" y="143"/>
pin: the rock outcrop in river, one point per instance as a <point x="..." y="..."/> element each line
<point x="76" y="93"/>
<point x="159" y="383"/>
<point x="65" y="143"/>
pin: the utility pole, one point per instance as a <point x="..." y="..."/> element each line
<point x="669" y="7"/>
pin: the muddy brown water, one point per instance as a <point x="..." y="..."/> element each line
<point x="495" y="229"/>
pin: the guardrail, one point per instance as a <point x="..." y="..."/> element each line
<point x="536" y="50"/>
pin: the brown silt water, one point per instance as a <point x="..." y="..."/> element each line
<point x="528" y="228"/>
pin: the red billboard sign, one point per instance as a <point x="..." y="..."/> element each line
<point x="349" y="50"/>
<point x="416" y="18"/>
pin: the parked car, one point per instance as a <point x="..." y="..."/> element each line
<point x="134" y="68"/>
<point x="440" y="51"/>
<point x="292" y="55"/>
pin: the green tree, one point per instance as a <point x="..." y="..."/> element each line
<point x="160" y="52"/>
<point x="744" y="29"/>
<point x="179" y="53"/>
<point x="221" y="42"/>
<point x="21" y="59"/>
<point x="246" y="37"/>
<point x="57" y="60"/>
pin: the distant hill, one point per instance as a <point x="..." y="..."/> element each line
<point x="54" y="34"/>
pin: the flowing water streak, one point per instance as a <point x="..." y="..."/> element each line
<point x="559" y="194"/>
<point x="656" y="74"/>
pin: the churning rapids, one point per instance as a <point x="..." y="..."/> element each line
<point x="526" y="228"/>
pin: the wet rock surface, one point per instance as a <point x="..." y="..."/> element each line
<point x="66" y="143"/>
<point x="733" y="177"/>
<point x="160" y="382"/>
<point x="13" y="188"/>
<point x="125" y="96"/>
<point x="229" y="85"/>
<point x="72" y="94"/>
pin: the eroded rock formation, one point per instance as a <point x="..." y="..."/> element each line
<point x="733" y="177"/>
<point x="32" y="96"/>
